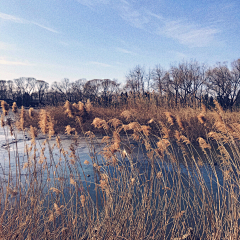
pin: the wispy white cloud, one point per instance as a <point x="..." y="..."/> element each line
<point x="65" y="44"/>
<point x="44" y="27"/>
<point x="7" y="46"/>
<point x="12" y="18"/>
<point x="178" y="56"/>
<point x="15" y="19"/>
<point x="122" y="50"/>
<point x="99" y="64"/>
<point x="185" y="32"/>
<point x="188" y="34"/>
<point x="134" y="17"/>
<point x="91" y="3"/>
<point x="4" y="61"/>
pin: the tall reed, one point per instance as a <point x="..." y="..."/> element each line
<point x="151" y="179"/>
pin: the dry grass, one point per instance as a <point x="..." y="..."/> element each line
<point x="156" y="174"/>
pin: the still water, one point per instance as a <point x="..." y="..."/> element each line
<point x="13" y="150"/>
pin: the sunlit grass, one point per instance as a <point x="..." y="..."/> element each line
<point x="156" y="173"/>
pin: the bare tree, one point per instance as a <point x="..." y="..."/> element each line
<point x="135" y="80"/>
<point x="63" y="88"/>
<point x="219" y="80"/>
<point x="3" y="89"/>
<point x="235" y="93"/>
<point x="41" y="87"/>
<point x="78" y="88"/>
<point x="109" y="87"/>
<point x="158" y="74"/>
<point x="20" y="85"/>
<point x="92" y="89"/>
<point x="10" y="89"/>
<point x="148" y="80"/>
<point x="174" y="82"/>
<point x="30" y="84"/>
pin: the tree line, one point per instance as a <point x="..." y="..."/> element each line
<point x="184" y="84"/>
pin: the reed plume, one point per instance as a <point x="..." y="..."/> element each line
<point x="81" y="106"/>
<point x="69" y="109"/>
<point x="203" y="144"/>
<point x="201" y="118"/>
<point x="14" y="108"/>
<point x="82" y="200"/>
<point x="180" y="123"/>
<point x="57" y="209"/>
<point x="69" y="130"/>
<point x="100" y="123"/>
<point x="5" y="107"/>
<point x="146" y="130"/>
<point x="51" y="130"/>
<point x="22" y="122"/>
<point x="162" y="145"/>
<point x="171" y="119"/>
<point x="88" y="106"/>
<point x="126" y="114"/>
<point x="33" y="133"/>
<point x="31" y="112"/>
<point x="43" y="122"/>
<point x="115" y="122"/>
<point x="2" y="121"/>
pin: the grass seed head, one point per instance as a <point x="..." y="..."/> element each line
<point x="69" y="109"/>
<point x="88" y="106"/>
<point x="180" y="123"/>
<point x="5" y="107"/>
<point x="33" y="132"/>
<point x="73" y="182"/>
<point x="203" y="144"/>
<point x="100" y="123"/>
<point x="171" y="119"/>
<point x="57" y="209"/>
<point x="126" y="114"/>
<point x="201" y="118"/>
<point x="146" y="130"/>
<point x="14" y="108"/>
<point x="82" y="200"/>
<point x="2" y="121"/>
<point x="31" y="112"/>
<point x="115" y="122"/>
<point x="69" y="130"/>
<point x="86" y="162"/>
<point x="80" y="106"/>
<point x="43" y="123"/>
<point x="51" y="130"/>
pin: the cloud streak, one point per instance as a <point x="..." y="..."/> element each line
<point x="122" y="50"/>
<point x="134" y="17"/>
<point x="188" y="34"/>
<point x="92" y="3"/>
<point x="44" y="27"/>
<point x="15" y="19"/>
<point x="7" y="46"/>
<point x="100" y="64"/>
<point x="183" y="31"/>
<point x="14" y="63"/>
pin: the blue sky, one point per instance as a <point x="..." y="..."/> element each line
<point x="55" y="39"/>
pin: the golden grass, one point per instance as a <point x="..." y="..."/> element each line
<point x="158" y="174"/>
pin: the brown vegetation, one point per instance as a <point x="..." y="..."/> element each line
<point x="183" y="185"/>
